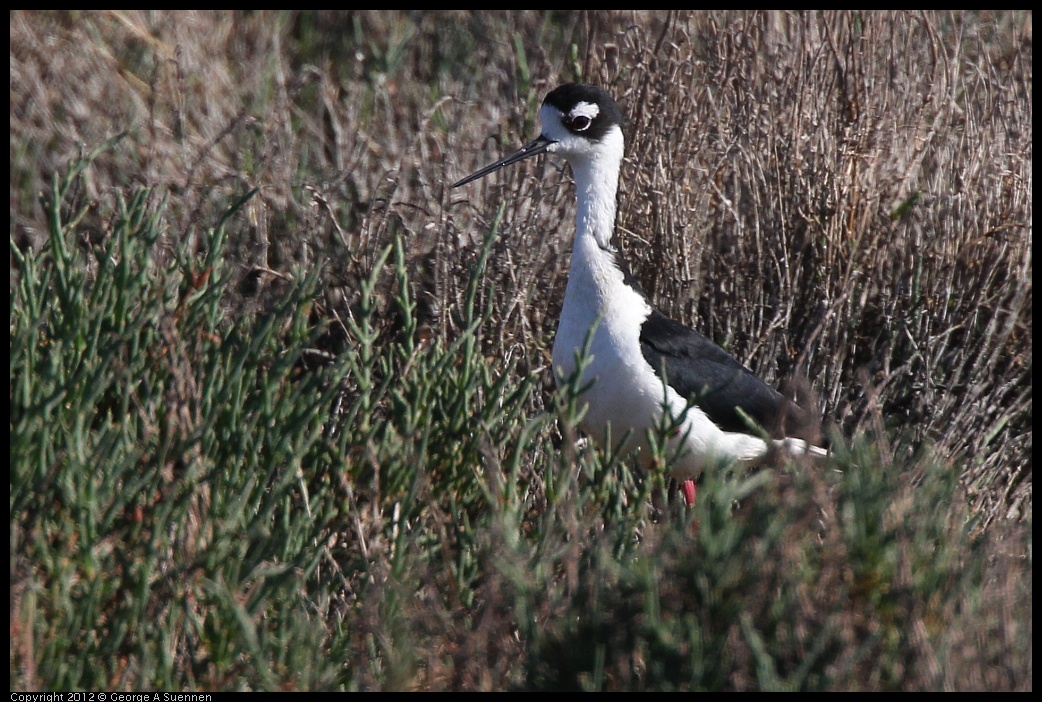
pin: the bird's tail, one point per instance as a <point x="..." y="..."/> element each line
<point x="799" y="447"/>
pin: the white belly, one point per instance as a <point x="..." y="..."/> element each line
<point x="625" y="397"/>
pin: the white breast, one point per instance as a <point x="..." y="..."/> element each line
<point x="625" y="392"/>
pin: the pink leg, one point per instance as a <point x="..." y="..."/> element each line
<point x="689" y="490"/>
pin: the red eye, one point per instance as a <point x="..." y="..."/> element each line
<point x="579" y="123"/>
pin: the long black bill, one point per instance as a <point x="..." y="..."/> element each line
<point x="532" y="148"/>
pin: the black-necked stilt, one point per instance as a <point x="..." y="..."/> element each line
<point x="724" y="410"/>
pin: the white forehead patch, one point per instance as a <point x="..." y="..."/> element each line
<point x="585" y="109"/>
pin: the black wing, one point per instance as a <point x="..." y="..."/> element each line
<point x="712" y="379"/>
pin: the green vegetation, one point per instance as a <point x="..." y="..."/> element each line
<point x="281" y="414"/>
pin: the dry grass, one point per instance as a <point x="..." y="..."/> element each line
<point x="840" y="197"/>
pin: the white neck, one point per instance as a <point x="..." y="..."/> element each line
<point x="596" y="293"/>
<point x="596" y="176"/>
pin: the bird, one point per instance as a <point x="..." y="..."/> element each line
<point x="643" y="370"/>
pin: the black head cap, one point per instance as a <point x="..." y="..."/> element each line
<point x="573" y="99"/>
